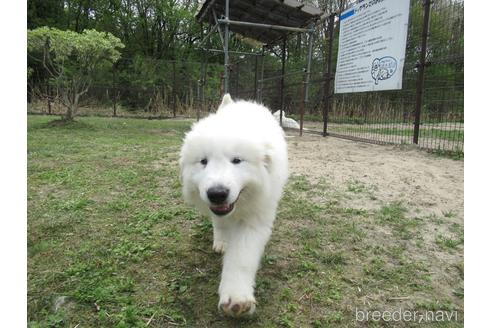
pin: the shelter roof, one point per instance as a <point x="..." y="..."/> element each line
<point x="289" y="13"/>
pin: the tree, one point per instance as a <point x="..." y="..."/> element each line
<point x="71" y="59"/>
<point x="45" y="13"/>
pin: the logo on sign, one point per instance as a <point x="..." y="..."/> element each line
<point x="383" y="68"/>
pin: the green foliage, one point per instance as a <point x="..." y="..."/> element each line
<point x="71" y="59"/>
<point x="45" y="13"/>
<point x="86" y="50"/>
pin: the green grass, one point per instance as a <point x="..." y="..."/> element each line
<point x="448" y="243"/>
<point x="109" y="233"/>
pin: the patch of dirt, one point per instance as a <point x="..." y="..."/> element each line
<point x="367" y="177"/>
<point x="431" y="185"/>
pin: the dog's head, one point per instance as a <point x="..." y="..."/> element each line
<point x="221" y="164"/>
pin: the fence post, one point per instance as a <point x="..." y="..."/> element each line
<point x="237" y="67"/>
<point x="198" y="98"/>
<point x="226" y="49"/>
<point x="204" y="85"/>
<point x="114" y="92"/>
<point x="307" y="75"/>
<point x="284" y="41"/>
<point x="328" y="96"/>
<point x="421" y="68"/>
<point x="200" y="86"/>
<point x="256" y="79"/>
<point x="262" y="73"/>
<point x="174" y="88"/>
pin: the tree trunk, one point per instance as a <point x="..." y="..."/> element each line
<point x="48" y="93"/>
<point x="72" y="109"/>
<point x="69" y="114"/>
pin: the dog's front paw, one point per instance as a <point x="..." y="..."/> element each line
<point x="219" y="246"/>
<point x="235" y="306"/>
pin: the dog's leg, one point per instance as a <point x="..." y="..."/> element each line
<point x="241" y="261"/>
<point x="220" y="243"/>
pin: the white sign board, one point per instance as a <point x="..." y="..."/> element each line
<point x="372" y="42"/>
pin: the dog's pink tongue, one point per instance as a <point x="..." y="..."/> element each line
<point x="224" y="207"/>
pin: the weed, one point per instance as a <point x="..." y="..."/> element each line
<point x="448" y="243"/>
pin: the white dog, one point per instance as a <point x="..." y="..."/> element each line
<point x="233" y="168"/>
<point x="286" y="121"/>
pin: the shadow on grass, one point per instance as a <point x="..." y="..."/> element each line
<point x="61" y="124"/>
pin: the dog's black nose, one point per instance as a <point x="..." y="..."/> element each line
<point x="217" y="195"/>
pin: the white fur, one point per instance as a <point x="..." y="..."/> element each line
<point x="286" y="121"/>
<point x="248" y="131"/>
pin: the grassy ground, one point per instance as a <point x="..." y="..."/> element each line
<point x="111" y="244"/>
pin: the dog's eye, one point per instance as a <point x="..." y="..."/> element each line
<point x="204" y="161"/>
<point x="236" y="160"/>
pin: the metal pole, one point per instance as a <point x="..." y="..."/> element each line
<point x="198" y="100"/>
<point x="200" y="80"/>
<point x="284" y="41"/>
<point x="421" y="68"/>
<point x="230" y="52"/>
<point x="226" y="49"/>
<point x="114" y="92"/>
<point x="201" y="84"/>
<point x="306" y="81"/>
<point x="174" y="88"/>
<point x="237" y="79"/>
<point x="267" y="26"/>
<point x="209" y="33"/>
<point x="205" y="73"/>
<point x="262" y="72"/>
<point x="218" y="28"/>
<point x="204" y="84"/>
<point x="328" y="101"/>
<point x="256" y="78"/>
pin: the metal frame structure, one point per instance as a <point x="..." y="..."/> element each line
<point x="269" y="22"/>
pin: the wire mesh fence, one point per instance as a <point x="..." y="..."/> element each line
<point x="382" y="116"/>
<point x="142" y="88"/>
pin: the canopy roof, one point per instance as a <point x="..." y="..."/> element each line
<point x="289" y="13"/>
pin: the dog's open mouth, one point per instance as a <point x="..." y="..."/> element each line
<point x="222" y="209"/>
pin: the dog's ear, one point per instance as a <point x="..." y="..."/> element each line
<point x="226" y="100"/>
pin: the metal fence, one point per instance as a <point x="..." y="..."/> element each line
<point x="140" y="88"/>
<point x="427" y="111"/>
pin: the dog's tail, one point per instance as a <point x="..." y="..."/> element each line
<point x="226" y="100"/>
